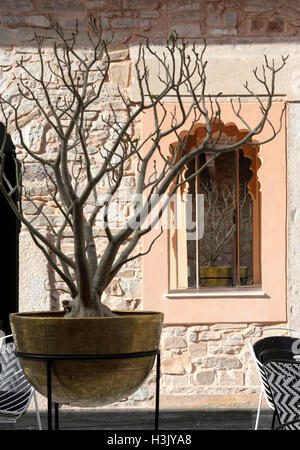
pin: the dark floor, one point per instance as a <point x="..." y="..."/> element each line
<point x="144" y="420"/>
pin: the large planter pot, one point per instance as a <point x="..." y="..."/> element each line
<point x="87" y="382"/>
<point x="220" y="276"/>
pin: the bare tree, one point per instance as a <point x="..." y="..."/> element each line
<point x="219" y="222"/>
<point x="72" y="180"/>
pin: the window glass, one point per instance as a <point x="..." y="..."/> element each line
<point x="213" y="238"/>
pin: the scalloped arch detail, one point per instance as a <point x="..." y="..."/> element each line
<point x="225" y="131"/>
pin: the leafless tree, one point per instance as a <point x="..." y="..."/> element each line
<point x="73" y="181"/>
<point x="219" y="212"/>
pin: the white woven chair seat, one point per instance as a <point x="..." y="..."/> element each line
<point x="15" y="390"/>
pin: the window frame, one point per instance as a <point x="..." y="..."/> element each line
<point x="230" y="305"/>
<point x="177" y="235"/>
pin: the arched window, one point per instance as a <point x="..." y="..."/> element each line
<point x="171" y="270"/>
<point x="214" y="238"/>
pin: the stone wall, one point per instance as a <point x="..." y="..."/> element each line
<point x="207" y="366"/>
<point x="132" y="19"/>
<point x="202" y="365"/>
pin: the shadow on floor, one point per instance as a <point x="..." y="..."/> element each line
<point x="144" y="420"/>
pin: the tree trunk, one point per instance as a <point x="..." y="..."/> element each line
<point x="77" y="308"/>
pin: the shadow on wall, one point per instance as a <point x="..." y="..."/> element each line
<point x="9" y="241"/>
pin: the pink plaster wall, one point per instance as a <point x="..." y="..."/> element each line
<point x="272" y="306"/>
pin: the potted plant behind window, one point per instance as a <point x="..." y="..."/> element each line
<point x="219" y="231"/>
<point x="86" y="147"/>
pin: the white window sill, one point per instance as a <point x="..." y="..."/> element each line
<point x="217" y="294"/>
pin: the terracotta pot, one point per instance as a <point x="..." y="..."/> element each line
<point x="87" y="382"/>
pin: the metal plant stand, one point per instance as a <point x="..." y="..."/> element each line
<point x="51" y="358"/>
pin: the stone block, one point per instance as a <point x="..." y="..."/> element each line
<point x="275" y="25"/>
<point x="7" y="59"/>
<point x="222" y="32"/>
<point x="230" y="18"/>
<point x="170" y="342"/>
<point x="121" y="36"/>
<point x="214" y="20"/>
<point x="246" y="356"/>
<point x="177" y="365"/>
<point x="150" y="14"/>
<point x="193" y="337"/>
<point x="232" y="340"/>
<point x="126" y="22"/>
<point x="140" y="4"/>
<point x="38" y="21"/>
<point x="134" y="288"/>
<point x="174" y="331"/>
<point x="117" y="53"/>
<point x="16" y="5"/>
<point x="60" y="5"/>
<point x="189" y="30"/>
<point x="166" y="355"/>
<point x="219" y="350"/>
<point x="13" y="20"/>
<point x="17" y="36"/>
<point x="142" y="394"/>
<point x="231" y="378"/>
<point x="221" y="362"/>
<point x="258" y="6"/>
<point x="116" y="303"/>
<point x="27" y="118"/>
<point x="258" y="24"/>
<point x="177" y="380"/>
<point x="183" y="19"/>
<point x="190" y="7"/>
<point x="30" y="208"/>
<point x="127" y="273"/>
<point x="119" y="73"/>
<point x="205" y="377"/>
<point x="103" y="4"/>
<point x="209" y="336"/>
<point x="197" y="350"/>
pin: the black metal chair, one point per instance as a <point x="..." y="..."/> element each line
<point x="282" y="372"/>
<point x="270" y="343"/>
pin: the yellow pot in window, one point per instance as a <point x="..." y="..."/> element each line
<point x="220" y="276"/>
<point x="243" y="274"/>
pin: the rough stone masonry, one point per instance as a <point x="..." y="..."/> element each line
<point x="203" y="365"/>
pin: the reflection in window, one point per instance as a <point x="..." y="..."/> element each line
<point x="215" y="235"/>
